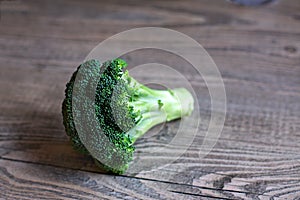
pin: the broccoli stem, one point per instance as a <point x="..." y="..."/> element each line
<point x="159" y="106"/>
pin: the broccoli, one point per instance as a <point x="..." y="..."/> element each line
<point x="125" y="110"/>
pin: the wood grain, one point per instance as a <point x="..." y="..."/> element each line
<point x="256" y="49"/>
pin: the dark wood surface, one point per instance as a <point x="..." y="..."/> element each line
<point x="257" y="50"/>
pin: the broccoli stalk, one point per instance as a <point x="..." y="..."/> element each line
<point x="159" y="106"/>
<point x="125" y="110"/>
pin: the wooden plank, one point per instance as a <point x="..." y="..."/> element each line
<point x="42" y="139"/>
<point x="256" y="49"/>
<point x="46" y="182"/>
<point x="46" y="20"/>
<point x="30" y="146"/>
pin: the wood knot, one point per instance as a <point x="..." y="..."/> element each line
<point x="290" y="49"/>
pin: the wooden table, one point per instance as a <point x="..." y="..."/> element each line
<point x="257" y="50"/>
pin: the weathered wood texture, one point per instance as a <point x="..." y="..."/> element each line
<point x="256" y="49"/>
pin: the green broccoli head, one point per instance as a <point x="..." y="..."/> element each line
<point x="124" y="110"/>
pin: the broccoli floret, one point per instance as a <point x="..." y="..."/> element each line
<point x="124" y="108"/>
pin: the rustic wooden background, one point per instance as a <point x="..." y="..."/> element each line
<point x="257" y="50"/>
